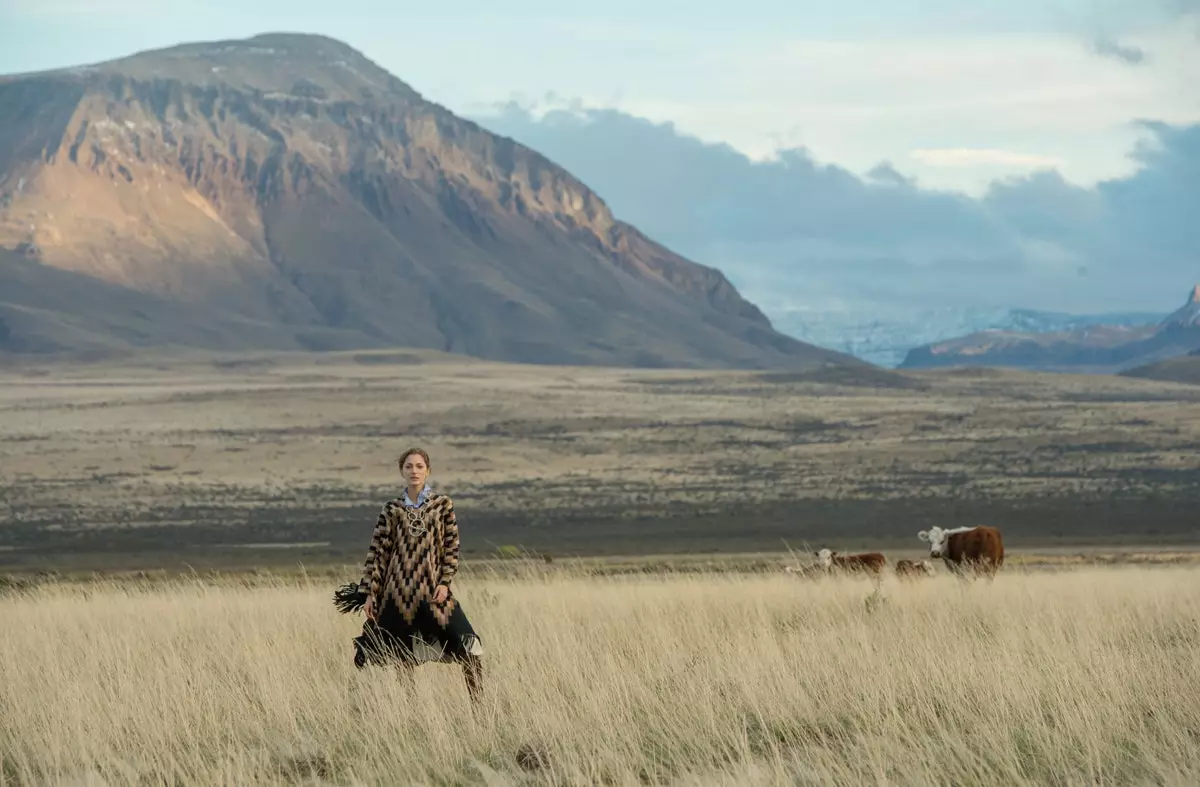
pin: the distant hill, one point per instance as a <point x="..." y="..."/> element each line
<point x="1094" y="348"/>
<point x="285" y="192"/>
<point x="884" y="335"/>
<point x="1183" y="369"/>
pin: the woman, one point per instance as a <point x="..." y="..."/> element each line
<point x="412" y="615"/>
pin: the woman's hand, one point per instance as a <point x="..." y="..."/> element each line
<point x="441" y="594"/>
<point x="369" y="608"/>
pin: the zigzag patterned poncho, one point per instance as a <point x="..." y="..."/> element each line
<point x="414" y="548"/>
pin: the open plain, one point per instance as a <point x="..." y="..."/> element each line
<point x="248" y="460"/>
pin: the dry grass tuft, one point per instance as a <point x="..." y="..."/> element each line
<point x="1069" y="677"/>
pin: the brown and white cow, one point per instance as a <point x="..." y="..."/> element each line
<point x="980" y="549"/>
<point x="913" y="568"/>
<point x="866" y="562"/>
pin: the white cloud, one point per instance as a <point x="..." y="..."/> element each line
<point x="973" y="157"/>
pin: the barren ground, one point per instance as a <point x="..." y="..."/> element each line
<point x="259" y="459"/>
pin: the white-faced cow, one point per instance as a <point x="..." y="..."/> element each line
<point x="913" y="568"/>
<point x="867" y="562"/>
<point x="980" y="549"/>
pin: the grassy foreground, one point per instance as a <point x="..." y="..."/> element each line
<point x="1088" y="676"/>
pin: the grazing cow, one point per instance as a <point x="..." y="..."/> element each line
<point x="867" y="562"/>
<point x="980" y="548"/>
<point x="913" y="568"/>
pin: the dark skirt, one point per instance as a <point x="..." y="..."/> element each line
<point x="392" y="639"/>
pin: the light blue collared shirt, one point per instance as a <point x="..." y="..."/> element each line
<point x="424" y="494"/>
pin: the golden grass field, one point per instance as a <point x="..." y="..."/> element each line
<point x="1075" y="677"/>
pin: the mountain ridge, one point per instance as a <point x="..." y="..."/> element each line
<point x="885" y="337"/>
<point x="1099" y="348"/>
<point x="239" y="176"/>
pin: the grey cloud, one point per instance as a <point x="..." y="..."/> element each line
<point x="794" y="225"/>
<point x="1107" y="47"/>
<point x="683" y="189"/>
<point x="884" y="172"/>
<point x="1143" y="223"/>
<point x="1154" y="210"/>
<point x="1045" y="206"/>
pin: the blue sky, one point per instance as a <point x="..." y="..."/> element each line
<point x="953" y="92"/>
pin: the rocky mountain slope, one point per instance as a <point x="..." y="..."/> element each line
<point x="1094" y="348"/>
<point x="284" y="191"/>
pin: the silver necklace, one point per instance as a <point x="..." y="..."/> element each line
<point x="415" y="523"/>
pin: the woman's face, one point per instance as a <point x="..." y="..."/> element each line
<point x="415" y="471"/>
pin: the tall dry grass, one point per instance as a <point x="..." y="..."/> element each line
<point x="1083" y="677"/>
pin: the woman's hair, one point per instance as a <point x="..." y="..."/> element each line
<point x="420" y="452"/>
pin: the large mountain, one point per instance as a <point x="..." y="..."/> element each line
<point x="284" y="191"/>
<point x="1093" y="348"/>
